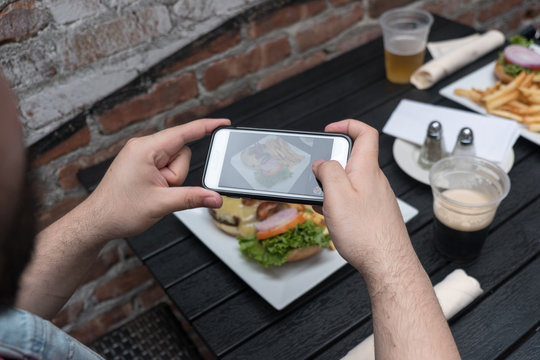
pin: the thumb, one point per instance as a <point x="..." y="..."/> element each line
<point x="332" y="176"/>
<point x="190" y="197"/>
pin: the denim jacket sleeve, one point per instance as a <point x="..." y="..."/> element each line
<point x="27" y="336"/>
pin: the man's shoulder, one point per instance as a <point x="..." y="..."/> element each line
<point x="25" y="335"/>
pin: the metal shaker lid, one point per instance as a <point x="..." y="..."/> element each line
<point x="434" y="130"/>
<point x="465" y="136"/>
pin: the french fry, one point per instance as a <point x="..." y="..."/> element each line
<point x="527" y="82"/>
<point x="519" y="100"/>
<point x="507" y="89"/>
<point x="502" y="99"/>
<point x="471" y="94"/>
<point x="506" y="114"/>
<point x="531" y="119"/>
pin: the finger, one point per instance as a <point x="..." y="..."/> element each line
<point x="171" y="140"/>
<point x="189" y="197"/>
<point x="365" y="151"/>
<point x="333" y="179"/>
<point x="176" y="171"/>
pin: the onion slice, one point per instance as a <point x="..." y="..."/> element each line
<point x="522" y="56"/>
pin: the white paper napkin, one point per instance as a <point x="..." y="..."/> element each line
<point x="493" y="137"/>
<point x="455" y="292"/>
<point x="434" y="70"/>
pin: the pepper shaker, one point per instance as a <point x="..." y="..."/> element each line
<point x="432" y="150"/>
<point x="464" y="143"/>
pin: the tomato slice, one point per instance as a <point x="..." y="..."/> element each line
<point x="261" y="235"/>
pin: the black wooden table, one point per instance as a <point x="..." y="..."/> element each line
<point x="329" y="320"/>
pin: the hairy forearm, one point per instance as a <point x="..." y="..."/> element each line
<point x="63" y="254"/>
<point x="408" y="322"/>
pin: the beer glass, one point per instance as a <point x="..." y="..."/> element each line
<point x="467" y="191"/>
<point x="405" y="32"/>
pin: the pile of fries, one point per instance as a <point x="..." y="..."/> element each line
<point x="518" y="100"/>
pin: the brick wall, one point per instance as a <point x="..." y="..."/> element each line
<point x="101" y="72"/>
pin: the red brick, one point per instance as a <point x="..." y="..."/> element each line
<point x="67" y="176"/>
<point x="55" y="212"/>
<point x="20" y="21"/>
<point x="341" y="2"/>
<point x="89" y="45"/>
<point x="68" y="314"/>
<point x="77" y="140"/>
<point x="377" y="7"/>
<point x="240" y="65"/>
<point x="162" y="96"/>
<point x="495" y="8"/>
<point x="447" y="9"/>
<point x="523" y="17"/>
<point x="358" y="38"/>
<point x="329" y="28"/>
<point x="293" y="69"/>
<point x="123" y="283"/>
<point x="98" y="326"/>
<point x="152" y="296"/>
<point x="201" y="111"/>
<point x="467" y="18"/>
<point x="201" y="51"/>
<point x="103" y="263"/>
<point x="265" y="22"/>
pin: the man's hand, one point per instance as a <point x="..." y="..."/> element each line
<point x="140" y="187"/>
<point x="143" y="182"/>
<point x="360" y="208"/>
<point x="367" y="228"/>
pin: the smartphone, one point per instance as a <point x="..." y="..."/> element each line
<point x="271" y="164"/>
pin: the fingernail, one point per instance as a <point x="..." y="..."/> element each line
<point x="212" y="202"/>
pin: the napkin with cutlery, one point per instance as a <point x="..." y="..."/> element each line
<point x="493" y="137"/>
<point x="452" y="55"/>
<point x="455" y="292"/>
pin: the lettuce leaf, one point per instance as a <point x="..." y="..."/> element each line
<point x="274" y="251"/>
<point x="521" y="40"/>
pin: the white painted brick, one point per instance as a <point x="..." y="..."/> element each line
<point x="45" y="110"/>
<point x="66" y="11"/>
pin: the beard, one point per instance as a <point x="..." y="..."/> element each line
<point x="16" y="244"/>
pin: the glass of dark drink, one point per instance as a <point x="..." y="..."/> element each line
<point x="467" y="191"/>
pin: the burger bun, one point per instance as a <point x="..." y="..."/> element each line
<point x="501" y="75"/>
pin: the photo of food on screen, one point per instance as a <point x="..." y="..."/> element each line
<point x="280" y="163"/>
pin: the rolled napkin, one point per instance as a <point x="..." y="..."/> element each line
<point x="456" y="291"/>
<point x="434" y="70"/>
<point x="438" y="49"/>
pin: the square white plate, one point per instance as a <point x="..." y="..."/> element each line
<point x="279" y="286"/>
<point x="481" y="79"/>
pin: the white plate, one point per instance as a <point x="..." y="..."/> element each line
<point x="279" y="286"/>
<point x="481" y="79"/>
<point x="406" y="156"/>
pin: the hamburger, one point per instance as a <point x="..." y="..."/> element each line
<point x="272" y="233"/>
<point x="516" y="58"/>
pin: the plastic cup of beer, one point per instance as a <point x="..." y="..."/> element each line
<point x="467" y="191"/>
<point x="405" y="32"/>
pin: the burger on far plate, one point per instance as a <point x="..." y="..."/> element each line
<point x="272" y="233"/>
<point x="516" y="58"/>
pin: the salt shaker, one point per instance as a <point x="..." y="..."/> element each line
<point x="432" y="150"/>
<point x="464" y="143"/>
